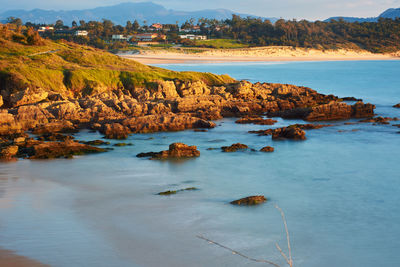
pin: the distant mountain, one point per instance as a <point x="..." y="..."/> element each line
<point x="119" y="14"/>
<point x="391" y="13"/>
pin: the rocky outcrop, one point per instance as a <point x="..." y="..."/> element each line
<point x="380" y="120"/>
<point x="8" y="152"/>
<point x="293" y="133"/>
<point x="256" y="120"/>
<point x="331" y="111"/>
<point x="167" y="122"/>
<point x="115" y="131"/>
<point x="267" y="149"/>
<point x="66" y="149"/>
<point x="234" y="147"/>
<point x="395" y="106"/>
<point x="176" y="150"/>
<point x="1" y="101"/>
<point x="167" y="106"/>
<point x="249" y="201"/>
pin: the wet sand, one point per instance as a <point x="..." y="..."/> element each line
<point x="10" y="259"/>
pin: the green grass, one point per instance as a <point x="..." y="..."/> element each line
<point x="220" y="43"/>
<point x="81" y="69"/>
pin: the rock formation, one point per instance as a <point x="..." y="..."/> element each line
<point x="395" y="106"/>
<point x="234" y="147"/>
<point x="267" y="149"/>
<point x="249" y="201"/>
<point x="176" y="150"/>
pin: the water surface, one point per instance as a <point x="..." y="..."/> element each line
<point x="339" y="189"/>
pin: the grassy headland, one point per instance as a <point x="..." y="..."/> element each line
<point x="61" y="65"/>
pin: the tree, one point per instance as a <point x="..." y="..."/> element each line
<point x="74" y="24"/>
<point x="32" y="37"/>
<point x="15" y="21"/>
<point x="136" y="25"/>
<point x="59" y="24"/>
<point x="82" y="23"/>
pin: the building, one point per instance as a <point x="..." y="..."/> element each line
<point x="193" y="37"/>
<point x="156" y="26"/>
<point x="81" y="33"/>
<point x="148" y="37"/>
<point x="194" y="28"/>
<point x="119" y="37"/>
<point x="46" y="28"/>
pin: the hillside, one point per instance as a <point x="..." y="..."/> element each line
<point x="64" y="66"/>
<point x="119" y="14"/>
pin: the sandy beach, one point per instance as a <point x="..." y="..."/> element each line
<point x="10" y="259"/>
<point x="262" y="54"/>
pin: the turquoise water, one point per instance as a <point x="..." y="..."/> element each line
<point x="339" y="189"/>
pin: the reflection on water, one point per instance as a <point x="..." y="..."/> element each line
<point x="339" y="190"/>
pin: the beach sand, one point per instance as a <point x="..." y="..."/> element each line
<point x="262" y="54"/>
<point x="10" y="259"/>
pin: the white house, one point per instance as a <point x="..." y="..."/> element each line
<point x="193" y="37"/>
<point x="119" y="37"/>
<point x="81" y="33"/>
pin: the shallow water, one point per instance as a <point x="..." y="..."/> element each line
<point x="339" y="188"/>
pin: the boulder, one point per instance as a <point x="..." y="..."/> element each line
<point x="27" y="96"/>
<point x="267" y="149"/>
<point x="8" y="152"/>
<point x="249" y="201"/>
<point x="1" y="101"/>
<point x="234" y="147"/>
<point x="293" y="133"/>
<point x="115" y="131"/>
<point x="395" y="106"/>
<point x="176" y="150"/>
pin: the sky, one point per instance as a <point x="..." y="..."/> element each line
<point x="288" y="9"/>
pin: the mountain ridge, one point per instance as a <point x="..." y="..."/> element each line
<point x="120" y="13"/>
<point x="391" y="13"/>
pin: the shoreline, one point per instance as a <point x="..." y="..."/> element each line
<point x="8" y="258"/>
<point x="262" y="54"/>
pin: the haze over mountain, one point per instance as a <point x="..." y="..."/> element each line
<point x="391" y="13"/>
<point x="119" y="14"/>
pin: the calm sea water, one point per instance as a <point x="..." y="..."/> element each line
<point x="340" y="189"/>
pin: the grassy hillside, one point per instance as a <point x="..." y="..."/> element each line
<point x="60" y="66"/>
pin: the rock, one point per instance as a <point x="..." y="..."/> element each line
<point x="234" y="147"/>
<point x="1" y="101"/>
<point x="96" y="143"/>
<point x="66" y="149"/>
<point x="55" y="127"/>
<point x="380" y="120"/>
<point x="176" y="150"/>
<point x="351" y="98"/>
<point x="115" y="131"/>
<point x="27" y="96"/>
<point x="331" y="111"/>
<point x="173" y="192"/>
<point x="9" y="152"/>
<point x="395" y="106"/>
<point x="250" y="201"/>
<point x="267" y="149"/>
<point x="310" y="126"/>
<point x="122" y="144"/>
<point x="256" y="120"/>
<point x="54" y="137"/>
<point x="293" y="133"/>
<point x="166" y="122"/>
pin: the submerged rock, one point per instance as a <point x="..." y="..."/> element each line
<point x="96" y="143"/>
<point x="380" y="120"/>
<point x="176" y="150"/>
<point x="267" y="149"/>
<point x="66" y="149"/>
<point x="234" y="147"/>
<point x="249" y="201"/>
<point x="173" y="192"/>
<point x="256" y="120"/>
